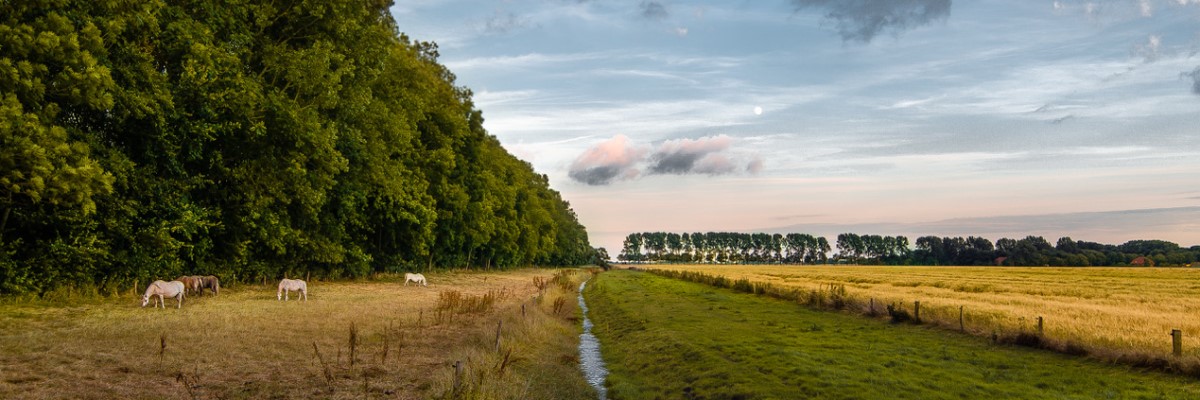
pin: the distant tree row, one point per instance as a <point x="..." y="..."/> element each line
<point x="149" y="139"/>
<point x="724" y="247"/>
<point x="794" y="248"/>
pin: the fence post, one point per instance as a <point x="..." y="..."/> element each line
<point x="961" y="327"/>
<point x="457" y="375"/>
<point x="917" y="311"/>
<point x="872" y="306"/>
<point x="1040" y="325"/>
<point x="498" y="325"/>
<point x="1177" y="342"/>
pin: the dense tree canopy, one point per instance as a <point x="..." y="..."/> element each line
<point x="148" y="139"/>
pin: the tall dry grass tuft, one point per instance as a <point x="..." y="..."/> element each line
<point x="517" y="354"/>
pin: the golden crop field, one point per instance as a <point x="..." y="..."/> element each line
<point x="246" y="344"/>
<point x="1113" y="313"/>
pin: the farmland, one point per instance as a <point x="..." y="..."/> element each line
<point x="668" y="338"/>
<point x="351" y="339"/>
<point x="1114" y="314"/>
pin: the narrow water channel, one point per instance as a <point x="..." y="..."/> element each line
<point x="589" y="352"/>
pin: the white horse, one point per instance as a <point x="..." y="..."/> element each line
<point x="164" y="289"/>
<point x="288" y="285"/>
<point x="415" y="278"/>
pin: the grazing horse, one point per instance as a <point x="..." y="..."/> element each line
<point x="191" y="284"/>
<point x="164" y="289"/>
<point x="209" y="282"/>
<point x="414" y="278"/>
<point x="288" y="285"/>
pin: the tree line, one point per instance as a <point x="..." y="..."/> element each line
<point x="724" y="248"/>
<point x="149" y="139"/>
<point x="796" y="248"/>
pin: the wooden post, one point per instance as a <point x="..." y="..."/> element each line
<point x="917" y="311"/>
<point x="498" y="325"/>
<point x="961" y="326"/>
<point x="1040" y="325"/>
<point x="1177" y="342"/>
<point x="872" y="306"/>
<point x="457" y="375"/>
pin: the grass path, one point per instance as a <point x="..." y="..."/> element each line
<point x="665" y="338"/>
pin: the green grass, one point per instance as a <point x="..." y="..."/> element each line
<point x="664" y="338"/>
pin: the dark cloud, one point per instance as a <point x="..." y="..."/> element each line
<point x="1062" y="119"/>
<point x="654" y="10"/>
<point x="687" y="156"/>
<point x="862" y="20"/>
<point x="1195" y="75"/>
<point x="606" y="162"/>
<point x="504" y="23"/>
<point x="597" y="175"/>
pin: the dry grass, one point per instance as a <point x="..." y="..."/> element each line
<point x="1115" y="314"/>
<point x="375" y="339"/>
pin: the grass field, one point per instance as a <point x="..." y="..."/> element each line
<point x="1121" y="314"/>
<point x="668" y="338"/>
<point x="246" y="344"/>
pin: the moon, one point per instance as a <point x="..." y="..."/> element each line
<point x="757" y="110"/>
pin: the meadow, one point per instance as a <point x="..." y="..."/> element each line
<point x="669" y="338"/>
<point x="513" y="335"/>
<point x="1111" y="314"/>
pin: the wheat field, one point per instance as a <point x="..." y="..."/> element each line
<point x="371" y="339"/>
<point x="1123" y="314"/>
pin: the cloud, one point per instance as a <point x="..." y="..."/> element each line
<point x="1149" y="51"/>
<point x="603" y="163"/>
<point x="617" y="160"/>
<point x="654" y="10"/>
<point x="862" y="20"/>
<point x="1195" y="75"/>
<point x="1062" y="119"/>
<point x="755" y="166"/>
<point x="504" y="23"/>
<point x="687" y="156"/>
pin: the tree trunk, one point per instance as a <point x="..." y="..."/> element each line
<point x="4" y="222"/>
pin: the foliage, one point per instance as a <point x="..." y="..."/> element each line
<point x="148" y="139"/>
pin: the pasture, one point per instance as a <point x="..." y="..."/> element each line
<point x="668" y="338"/>
<point x="1112" y="314"/>
<point x="368" y="339"/>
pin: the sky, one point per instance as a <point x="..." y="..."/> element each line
<point x="992" y="118"/>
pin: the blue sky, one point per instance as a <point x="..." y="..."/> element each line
<point x="914" y="117"/>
